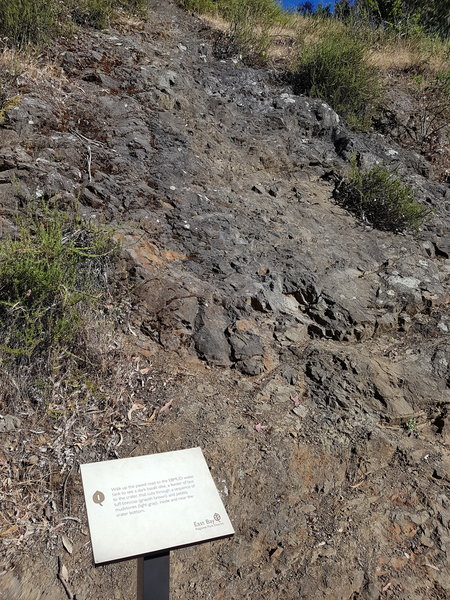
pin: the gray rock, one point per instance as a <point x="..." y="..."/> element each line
<point x="9" y="423"/>
<point x="245" y="345"/>
<point x="300" y="411"/>
<point x="209" y="336"/>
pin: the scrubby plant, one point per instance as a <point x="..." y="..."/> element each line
<point x="23" y="21"/>
<point x="335" y="69"/>
<point x="411" y="427"/>
<point x="251" y="24"/>
<point x="50" y="273"/>
<point x="404" y="17"/>
<point x="426" y="126"/>
<point x="379" y="198"/>
<point x="98" y="13"/>
<point x="30" y="21"/>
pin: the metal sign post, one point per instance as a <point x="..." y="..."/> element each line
<point x="153" y="576"/>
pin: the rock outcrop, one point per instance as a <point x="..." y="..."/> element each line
<point x="278" y="307"/>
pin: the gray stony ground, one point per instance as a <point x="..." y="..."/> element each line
<point x="293" y="342"/>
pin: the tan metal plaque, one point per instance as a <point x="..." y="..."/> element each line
<point x="145" y="504"/>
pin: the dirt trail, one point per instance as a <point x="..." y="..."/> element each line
<point x="307" y="355"/>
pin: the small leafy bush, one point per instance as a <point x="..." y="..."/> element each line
<point x="380" y="199"/>
<point x="335" y="69"/>
<point x="98" y="13"/>
<point x="428" y="125"/>
<point x="49" y="275"/>
<point x="7" y="104"/>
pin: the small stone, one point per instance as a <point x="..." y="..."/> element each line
<point x="328" y="551"/>
<point x="425" y="540"/>
<point x="405" y="282"/>
<point x="258" y="188"/>
<point x="429" y="248"/>
<point x="251" y="366"/>
<point x="9" y="423"/>
<point x="308" y="508"/>
<point x="276" y="553"/>
<point x="91" y="199"/>
<point x="404" y="322"/>
<point x="288" y="98"/>
<point x="300" y="411"/>
<point x="420" y="518"/>
<point x="243" y="325"/>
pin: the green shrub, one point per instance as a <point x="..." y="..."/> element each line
<point x="49" y="275"/>
<point x="379" y="198"/>
<point x="23" y="21"/>
<point x="335" y="69"/>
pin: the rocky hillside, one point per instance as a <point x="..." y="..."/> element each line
<point x="306" y="352"/>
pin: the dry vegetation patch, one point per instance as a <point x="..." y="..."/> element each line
<point x="356" y="68"/>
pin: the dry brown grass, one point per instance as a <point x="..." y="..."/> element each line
<point x="15" y="63"/>
<point x="388" y="54"/>
<point x="282" y="38"/>
<point x="216" y="22"/>
<point x="126" y="21"/>
<point x="409" y="56"/>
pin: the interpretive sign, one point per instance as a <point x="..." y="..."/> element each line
<point x="145" y="504"/>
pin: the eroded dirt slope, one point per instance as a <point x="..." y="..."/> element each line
<point x="292" y="343"/>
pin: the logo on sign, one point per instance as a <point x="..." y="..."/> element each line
<point x="207" y="523"/>
<point x="98" y="498"/>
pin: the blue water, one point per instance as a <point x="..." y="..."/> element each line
<point x="292" y="4"/>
